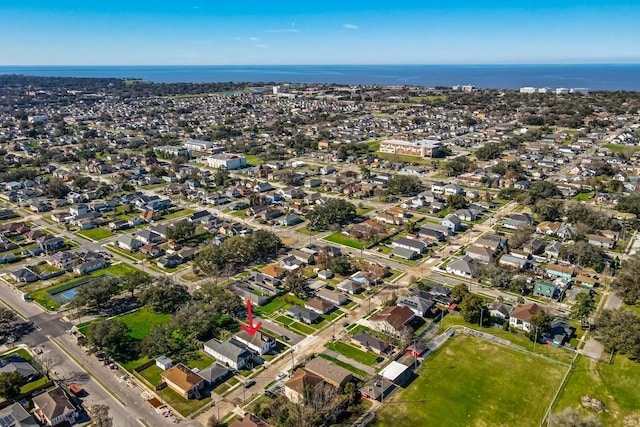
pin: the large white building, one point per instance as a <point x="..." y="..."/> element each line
<point x="421" y="148"/>
<point x="229" y="161"/>
<point x="198" y="145"/>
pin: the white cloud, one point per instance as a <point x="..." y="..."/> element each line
<point x="254" y="39"/>
<point x="350" y="27"/>
<point x="262" y="46"/>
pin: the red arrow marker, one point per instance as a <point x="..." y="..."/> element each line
<point x="251" y="330"/>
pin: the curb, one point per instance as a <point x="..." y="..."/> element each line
<point x="77" y="362"/>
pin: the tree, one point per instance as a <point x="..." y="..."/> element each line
<point x="584" y="306"/>
<point x="583" y="254"/>
<point x="334" y="211"/>
<point x="549" y="210"/>
<point x="221" y="177"/>
<point x="540" y="325"/>
<point x="181" y="230"/>
<point x="403" y="185"/>
<point x="210" y="260"/>
<point x="473" y="308"/>
<point x="619" y="330"/>
<point x="165" y="296"/>
<point x="97" y="293"/>
<point x="627" y="282"/>
<point x="365" y="172"/>
<point x="456" y="201"/>
<point x="459" y="165"/>
<point x="134" y="280"/>
<point x="630" y="203"/>
<point x="46" y="362"/>
<point x="542" y="190"/>
<point x="569" y="417"/>
<point x="7" y="316"/>
<point x="342" y="266"/>
<point x="521" y="236"/>
<point x="324" y="259"/>
<point x="459" y="292"/>
<point x="489" y="151"/>
<point x="295" y="282"/>
<point x="10" y="383"/>
<point x="57" y="188"/>
<point x="100" y="415"/>
<point x="111" y="336"/>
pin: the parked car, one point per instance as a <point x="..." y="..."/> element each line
<point x="284" y="337"/>
<point x="249" y="384"/>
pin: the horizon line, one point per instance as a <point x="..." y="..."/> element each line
<point x="635" y="62"/>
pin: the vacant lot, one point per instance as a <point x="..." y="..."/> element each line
<point x="471" y="382"/>
<point x="95" y="234"/>
<point x="616" y="385"/>
<point x="142" y="321"/>
<point x="341" y="239"/>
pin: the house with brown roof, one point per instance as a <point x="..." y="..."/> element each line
<point x="319" y="305"/>
<point x="183" y="381"/>
<point x="549" y="228"/>
<point x="392" y="320"/>
<point x="274" y="271"/>
<point x="53" y="408"/>
<point x="586" y="281"/>
<point x="520" y="317"/>
<point x="332" y="374"/>
<point x="301" y="381"/>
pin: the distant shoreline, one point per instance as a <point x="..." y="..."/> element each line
<point x="612" y="76"/>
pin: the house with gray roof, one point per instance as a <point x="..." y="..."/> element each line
<point x="229" y="353"/>
<point x="420" y="306"/>
<point x="508" y="260"/>
<point x="415" y="245"/>
<point x="463" y="267"/>
<point x="303" y="314"/>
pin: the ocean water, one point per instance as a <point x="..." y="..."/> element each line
<point x="592" y="76"/>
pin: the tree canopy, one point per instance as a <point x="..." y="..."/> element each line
<point x="627" y="282"/>
<point x="165" y="296"/>
<point x="333" y="212"/>
<point x="403" y="185"/>
<point x="540" y="325"/>
<point x="619" y="330"/>
<point x="111" y="336"/>
<point x="10" y="383"/>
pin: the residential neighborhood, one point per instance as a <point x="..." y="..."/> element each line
<point x="231" y="254"/>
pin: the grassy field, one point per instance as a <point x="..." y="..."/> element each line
<point x="253" y="160"/>
<point x="364" y="357"/>
<point x="142" y="321"/>
<point x="340" y="239"/>
<point x="95" y="234"/>
<point x="471" y="382"/>
<point x="178" y="214"/>
<point x="616" y="385"/>
<point x="304" y="230"/>
<point x="620" y="148"/>
<point x="583" y="197"/>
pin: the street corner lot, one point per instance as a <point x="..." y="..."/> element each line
<point x="471" y="381"/>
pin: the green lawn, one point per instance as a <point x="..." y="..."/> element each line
<point x="178" y="214"/>
<point x="18" y="352"/>
<point x="152" y="374"/>
<point x="305" y="230"/>
<point x="271" y="307"/>
<point x="95" y="234"/>
<point x="583" y="197"/>
<point x="183" y="406"/>
<point x="200" y="360"/>
<point x="364" y="357"/>
<point x="619" y="148"/>
<point x="470" y="381"/>
<point x="341" y="239"/>
<point x="253" y="160"/>
<point x="34" y="385"/>
<point x="142" y="321"/>
<point x="133" y="256"/>
<point x="616" y="385"/>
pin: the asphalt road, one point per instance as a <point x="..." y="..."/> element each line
<point x="49" y="333"/>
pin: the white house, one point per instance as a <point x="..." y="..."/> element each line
<point x="229" y="161"/>
<point x="521" y="316"/>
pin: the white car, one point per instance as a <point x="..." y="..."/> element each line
<point x="281" y="375"/>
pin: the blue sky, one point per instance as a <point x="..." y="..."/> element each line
<point x="192" y="32"/>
